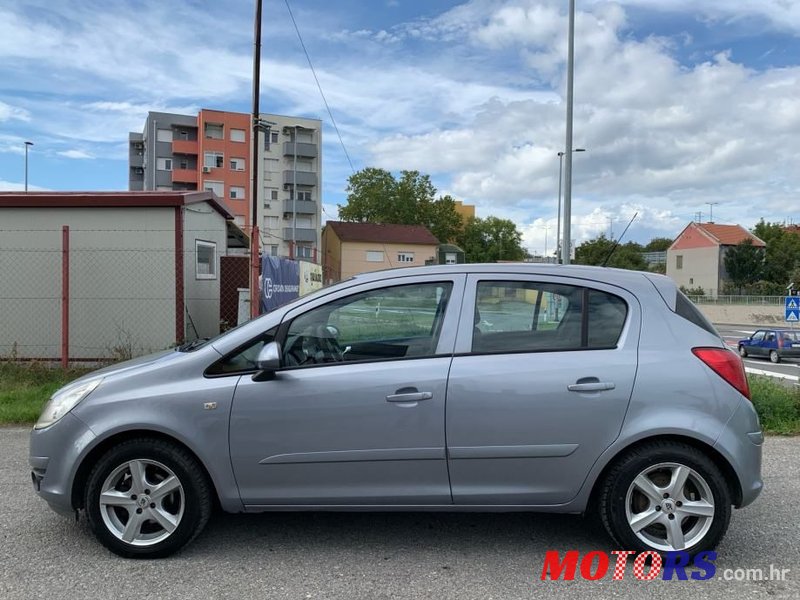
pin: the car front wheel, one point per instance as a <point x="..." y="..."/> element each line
<point x="742" y="352"/>
<point x="147" y="498"/>
<point x="665" y="496"/>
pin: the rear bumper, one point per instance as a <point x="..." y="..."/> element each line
<point x="741" y="443"/>
<point x="55" y="453"/>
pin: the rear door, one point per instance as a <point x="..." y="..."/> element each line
<point x="539" y="386"/>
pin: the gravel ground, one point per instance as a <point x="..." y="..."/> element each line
<point x="374" y="556"/>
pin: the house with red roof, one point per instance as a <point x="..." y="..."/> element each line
<point x="353" y="248"/>
<point x="696" y="259"/>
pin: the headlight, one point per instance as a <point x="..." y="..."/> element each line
<point x="64" y="400"/>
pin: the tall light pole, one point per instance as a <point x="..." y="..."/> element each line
<point x="255" y="256"/>
<point x="558" y="220"/>
<point x="567" y="236"/>
<point x="27" y="144"/>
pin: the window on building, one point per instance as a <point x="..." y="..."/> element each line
<point x="184" y="134"/>
<point x="303" y="222"/>
<point x="273" y="249"/>
<point x="374" y="256"/>
<point x="273" y="194"/>
<point x="303" y="251"/>
<point x="213" y="159"/>
<point x="163" y="188"/>
<point x="164" y="164"/>
<point x="237" y="164"/>
<point x="164" y="135"/>
<point x="305" y="165"/>
<point x="218" y="187"/>
<point x="237" y="135"/>
<point x="679" y="261"/>
<point x="450" y="258"/>
<point x="214" y="131"/>
<point x="270" y="168"/>
<point x="237" y="192"/>
<point x="206" y="259"/>
<point x="272" y="222"/>
<point x="302" y="195"/>
<point x="405" y="257"/>
<point x="273" y="137"/>
<point x="184" y="164"/>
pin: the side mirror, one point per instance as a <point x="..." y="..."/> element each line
<point x="268" y="361"/>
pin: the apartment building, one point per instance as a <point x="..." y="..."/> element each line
<point x="212" y="151"/>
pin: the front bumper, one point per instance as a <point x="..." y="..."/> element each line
<point x="55" y="453"/>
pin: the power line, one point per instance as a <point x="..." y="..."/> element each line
<point x="319" y="86"/>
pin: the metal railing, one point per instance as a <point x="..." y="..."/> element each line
<point x="739" y="300"/>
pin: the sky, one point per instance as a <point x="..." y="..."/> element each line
<point x="678" y="103"/>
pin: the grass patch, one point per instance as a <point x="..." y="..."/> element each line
<point x="24" y="389"/>
<point x="777" y="405"/>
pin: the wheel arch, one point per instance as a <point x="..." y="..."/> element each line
<point x="728" y="472"/>
<point x="90" y="459"/>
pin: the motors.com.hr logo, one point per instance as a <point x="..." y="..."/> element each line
<point x="648" y="566"/>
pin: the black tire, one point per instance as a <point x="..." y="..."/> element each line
<point x="195" y="496"/>
<point x="742" y="352"/>
<point x="619" y="480"/>
<point x="774" y="357"/>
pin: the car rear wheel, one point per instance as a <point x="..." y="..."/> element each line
<point x="742" y="352"/>
<point x="147" y="498"/>
<point x="774" y="356"/>
<point x="665" y="496"/>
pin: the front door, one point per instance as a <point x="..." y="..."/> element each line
<point x="356" y="416"/>
<point x="539" y="387"/>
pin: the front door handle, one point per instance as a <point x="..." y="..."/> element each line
<point x="591" y="386"/>
<point x="409" y="397"/>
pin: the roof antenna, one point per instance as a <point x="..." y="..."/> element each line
<point x="622" y="235"/>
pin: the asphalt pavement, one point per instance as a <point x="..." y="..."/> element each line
<point x="375" y="556"/>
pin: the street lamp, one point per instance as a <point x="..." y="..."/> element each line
<point x="558" y="227"/>
<point x="26" y="163"/>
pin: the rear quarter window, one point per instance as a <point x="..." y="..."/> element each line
<point x="685" y="308"/>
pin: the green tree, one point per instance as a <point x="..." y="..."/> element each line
<point x="376" y="196"/>
<point x="658" y="244"/>
<point x="782" y="254"/>
<point x="597" y="251"/>
<point x="744" y="263"/>
<point x="490" y="240"/>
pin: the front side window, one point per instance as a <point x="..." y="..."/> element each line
<point x="205" y="260"/>
<point x="758" y="336"/>
<point x="521" y="316"/>
<point x="388" y="323"/>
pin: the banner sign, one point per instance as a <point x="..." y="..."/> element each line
<point x="280" y="282"/>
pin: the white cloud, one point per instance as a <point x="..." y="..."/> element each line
<point x="8" y="112"/>
<point x="76" y="154"/>
<point x="16" y="186"/>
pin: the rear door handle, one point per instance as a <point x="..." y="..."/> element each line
<point x="593" y="386"/>
<point x="409" y="397"/>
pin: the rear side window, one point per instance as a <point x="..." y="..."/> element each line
<point x="522" y="316"/>
<point x="686" y="309"/>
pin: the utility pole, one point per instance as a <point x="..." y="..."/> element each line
<point x="711" y="211"/>
<point x="255" y="258"/>
<point x="27" y="145"/>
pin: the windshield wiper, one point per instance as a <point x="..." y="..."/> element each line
<point x="193" y="345"/>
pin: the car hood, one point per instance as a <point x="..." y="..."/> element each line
<point x="133" y="364"/>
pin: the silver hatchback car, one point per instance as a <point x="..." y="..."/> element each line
<point x="464" y="388"/>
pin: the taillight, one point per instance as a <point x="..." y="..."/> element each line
<point x="727" y="365"/>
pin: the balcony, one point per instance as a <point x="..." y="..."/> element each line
<point x="302" y="207"/>
<point x="184" y="176"/>
<point x="303" y="178"/>
<point x="301" y="234"/>
<point x="184" y="146"/>
<point x="304" y="150"/>
<point x="135" y="159"/>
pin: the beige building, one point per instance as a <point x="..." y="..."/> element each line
<point x="353" y="248"/>
<point x="696" y="258"/>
